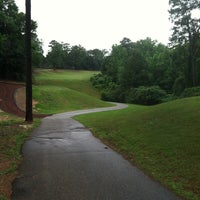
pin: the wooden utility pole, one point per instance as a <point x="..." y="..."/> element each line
<point x="29" y="110"/>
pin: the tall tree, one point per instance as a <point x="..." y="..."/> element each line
<point x="186" y="32"/>
<point x="77" y="57"/>
<point x="12" y="42"/>
<point x="11" y="37"/>
<point x="56" y="56"/>
<point x="96" y="58"/>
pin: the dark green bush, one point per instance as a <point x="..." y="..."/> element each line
<point x="113" y="93"/>
<point x="100" y="81"/>
<point x="145" y="95"/>
<point x="179" y="86"/>
<point x="191" y="92"/>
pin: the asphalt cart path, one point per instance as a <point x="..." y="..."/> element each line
<point x="64" y="161"/>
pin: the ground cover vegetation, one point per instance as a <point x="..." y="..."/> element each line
<point x="13" y="132"/>
<point x="163" y="140"/>
<point x="64" y="90"/>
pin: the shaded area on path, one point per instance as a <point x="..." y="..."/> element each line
<point x="63" y="160"/>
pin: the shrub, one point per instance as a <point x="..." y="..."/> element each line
<point x="190" y="92"/>
<point x="113" y="93"/>
<point x="100" y="81"/>
<point x="179" y="86"/>
<point x="145" y="95"/>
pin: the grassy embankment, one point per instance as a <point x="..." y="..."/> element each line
<point x="162" y="140"/>
<point x="61" y="91"/>
<point x="54" y="92"/>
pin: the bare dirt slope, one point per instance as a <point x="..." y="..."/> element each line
<point x="7" y="98"/>
<point x="12" y="99"/>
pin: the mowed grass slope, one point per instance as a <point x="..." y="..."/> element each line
<point x="163" y="140"/>
<point x="65" y="90"/>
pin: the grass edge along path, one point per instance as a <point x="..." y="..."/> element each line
<point x="13" y="133"/>
<point x="162" y="140"/>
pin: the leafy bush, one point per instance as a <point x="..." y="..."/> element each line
<point x="100" y="81"/>
<point x="179" y="86"/>
<point x="145" y="95"/>
<point x="190" y="92"/>
<point x="113" y="93"/>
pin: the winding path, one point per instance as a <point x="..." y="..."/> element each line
<point x="64" y="161"/>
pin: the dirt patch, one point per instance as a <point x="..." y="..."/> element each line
<point x="6" y="180"/>
<point x="12" y="99"/>
<point x="3" y="117"/>
<point x="20" y="99"/>
<point x="7" y="103"/>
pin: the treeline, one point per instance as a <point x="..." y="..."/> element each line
<point x="12" y="42"/>
<point x="63" y="56"/>
<point x="144" y="72"/>
<point x="147" y="72"/>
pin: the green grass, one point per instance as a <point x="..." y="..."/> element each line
<point x="13" y="133"/>
<point x="162" y="140"/>
<point x="65" y="90"/>
<point x="72" y="79"/>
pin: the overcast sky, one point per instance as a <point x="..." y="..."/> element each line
<point x="99" y="23"/>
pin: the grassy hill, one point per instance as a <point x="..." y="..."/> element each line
<point x="65" y="90"/>
<point x="163" y="140"/>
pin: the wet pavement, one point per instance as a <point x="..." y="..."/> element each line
<point x="63" y="161"/>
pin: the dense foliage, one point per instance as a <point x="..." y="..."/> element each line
<point x="12" y="42"/>
<point x="63" y="56"/>
<point x="145" y="71"/>
<point x="144" y="66"/>
<point x="186" y="34"/>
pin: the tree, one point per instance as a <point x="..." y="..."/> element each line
<point x="78" y="57"/>
<point x="186" y="32"/>
<point x="135" y="71"/>
<point x="12" y="45"/>
<point x="56" y="57"/>
<point x="37" y="52"/>
<point x="12" y="41"/>
<point x="95" y="59"/>
<point x="134" y="64"/>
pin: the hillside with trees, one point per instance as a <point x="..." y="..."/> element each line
<point x="144" y="71"/>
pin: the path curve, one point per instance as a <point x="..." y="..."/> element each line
<point x="117" y="106"/>
<point x="63" y="160"/>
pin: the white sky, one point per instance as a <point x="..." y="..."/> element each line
<point x="99" y="23"/>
